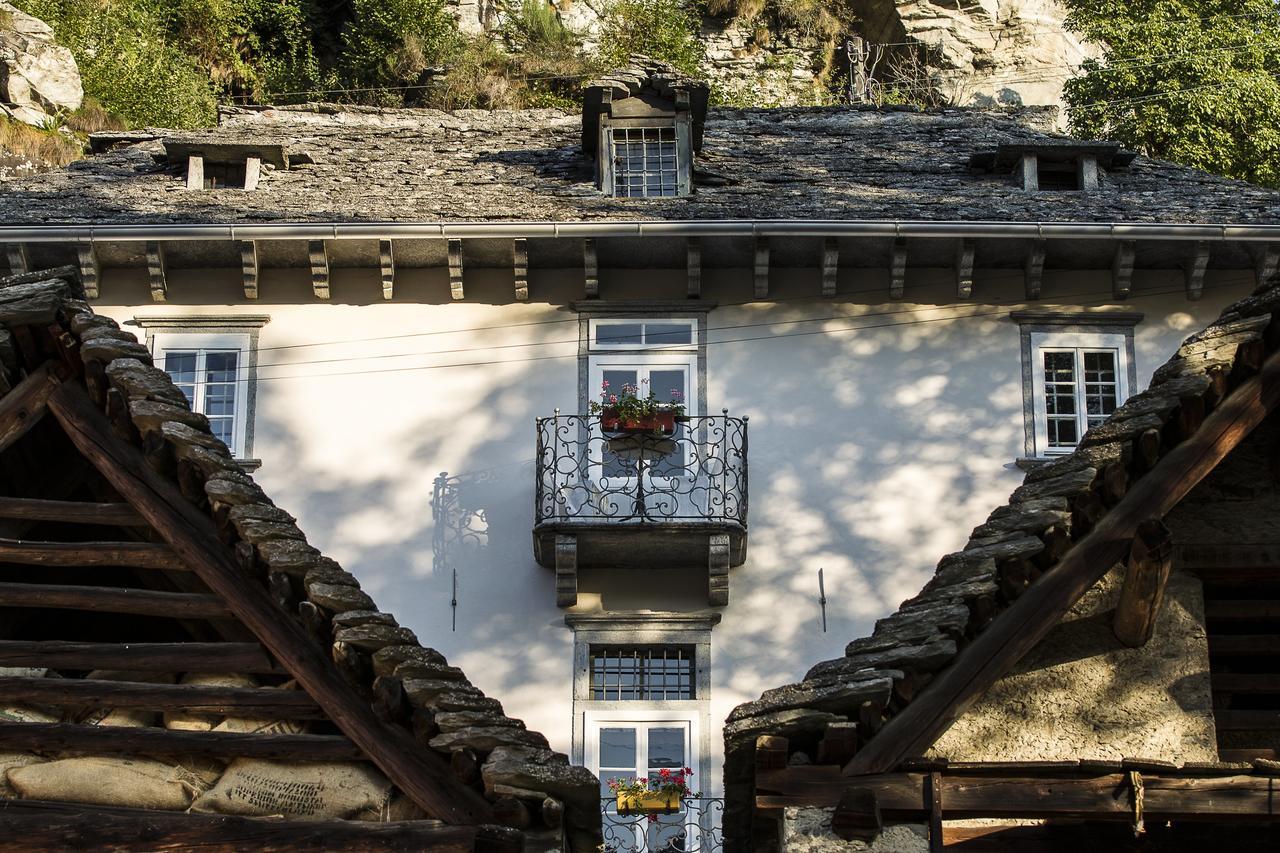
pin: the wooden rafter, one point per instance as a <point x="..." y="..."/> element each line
<point x="22" y="408"/>
<point x="146" y="657"/>
<point x="75" y="512"/>
<point x="1034" y="614"/>
<point x="421" y="774"/>
<point x="139" y="555"/>
<point x="112" y="599"/>
<point x="59" y="737"/>
<point x="252" y="702"/>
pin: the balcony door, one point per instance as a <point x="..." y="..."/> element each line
<point x="640" y="745"/>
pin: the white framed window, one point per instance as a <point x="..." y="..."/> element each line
<point x="1077" y="380"/>
<point x="643" y="334"/>
<point x="212" y="370"/>
<point x="645" y="161"/>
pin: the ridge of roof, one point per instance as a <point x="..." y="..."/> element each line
<point x="386" y="662"/>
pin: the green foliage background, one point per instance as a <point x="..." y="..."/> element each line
<point x="1192" y="81"/>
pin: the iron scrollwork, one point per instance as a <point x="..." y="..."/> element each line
<point x="695" y="828"/>
<point x="699" y="473"/>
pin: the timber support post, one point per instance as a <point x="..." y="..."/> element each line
<point x="1147" y="575"/>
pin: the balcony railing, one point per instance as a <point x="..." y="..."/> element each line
<point x="696" y="828"/>
<point x="699" y="474"/>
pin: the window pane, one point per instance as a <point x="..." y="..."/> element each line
<point x="224" y="429"/>
<point x="666" y="748"/>
<point x="644" y="161"/>
<point x="667" y="334"/>
<point x="618" y="748"/>
<point x="668" y="386"/>
<point x="1100" y="385"/>
<point x="1062" y="432"/>
<point x="641" y="673"/>
<point x="220" y="366"/>
<point x="181" y="367"/>
<point x="618" y="333"/>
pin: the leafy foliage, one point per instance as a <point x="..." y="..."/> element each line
<point x="390" y="44"/>
<point x="666" y="30"/>
<point x="1193" y="81"/>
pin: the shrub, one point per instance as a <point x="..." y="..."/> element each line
<point x="666" y="30"/>
<point x="390" y="44"/>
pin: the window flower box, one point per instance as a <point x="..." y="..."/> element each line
<point x="662" y="422"/>
<point x="649" y="802"/>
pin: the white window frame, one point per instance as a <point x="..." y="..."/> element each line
<point x="1079" y="343"/>
<point x="204" y="342"/>
<point x="595" y="323"/>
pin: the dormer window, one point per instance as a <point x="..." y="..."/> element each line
<point x="643" y="125"/>
<point x="210" y="165"/>
<point x="1054" y="167"/>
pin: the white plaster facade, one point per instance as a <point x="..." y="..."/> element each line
<point x="881" y="432"/>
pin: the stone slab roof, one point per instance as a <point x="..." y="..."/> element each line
<point x="349" y="164"/>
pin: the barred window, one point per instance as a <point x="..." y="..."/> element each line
<point x="644" y="162"/>
<point x="641" y="673"/>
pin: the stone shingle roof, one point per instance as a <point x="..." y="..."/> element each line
<point x="351" y="164"/>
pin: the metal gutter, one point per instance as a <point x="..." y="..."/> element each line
<point x="677" y="228"/>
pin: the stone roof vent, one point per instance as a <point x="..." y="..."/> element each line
<point x="221" y="164"/>
<point x="1051" y="166"/>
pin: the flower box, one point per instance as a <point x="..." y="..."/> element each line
<point x="658" y="423"/>
<point x="652" y="802"/>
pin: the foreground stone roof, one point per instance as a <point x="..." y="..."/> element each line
<point x="361" y="164"/>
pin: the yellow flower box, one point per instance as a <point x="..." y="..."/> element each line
<point x="648" y="803"/>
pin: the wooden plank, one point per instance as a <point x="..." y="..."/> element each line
<point x="90" y="269"/>
<point x="1244" y="644"/>
<point x="1016" y="631"/>
<point x="66" y="737"/>
<point x="455" y="269"/>
<point x="1147" y="574"/>
<point x="1194" y="267"/>
<point x="249" y="268"/>
<point x="933" y="803"/>
<point x="1122" y="269"/>
<point x="1247" y="610"/>
<point x="1227" y="721"/>
<point x="74" y="512"/>
<point x="148" y="657"/>
<point x="898" y="269"/>
<point x="387" y="263"/>
<point x="156" y="271"/>
<point x="137" y="555"/>
<point x="857" y="815"/>
<point x="964" y="269"/>
<point x="318" y="254"/>
<point x="417" y="771"/>
<point x="762" y="268"/>
<point x="1245" y="682"/>
<point x="830" y="266"/>
<point x="1033" y="270"/>
<point x="108" y="599"/>
<point x="520" y="268"/>
<point x="33" y="826"/>
<point x="22" y="408"/>
<point x="693" y="266"/>
<point x="902" y="796"/>
<point x="253" y="702"/>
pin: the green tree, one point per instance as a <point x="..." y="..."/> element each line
<point x="1192" y="81"/>
<point x="389" y="44"/>
<point x="666" y="30"/>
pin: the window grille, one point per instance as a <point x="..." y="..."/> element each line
<point x="1081" y="388"/>
<point x="644" y="162"/>
<point x="641" y="673"/>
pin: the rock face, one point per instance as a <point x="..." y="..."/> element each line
<point x="37" y="77"/>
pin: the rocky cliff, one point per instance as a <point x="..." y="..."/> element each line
<point x="38" y="78"/>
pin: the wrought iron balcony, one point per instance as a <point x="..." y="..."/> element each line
<point x="639" y="499"/>
<point x="695" y="828"/>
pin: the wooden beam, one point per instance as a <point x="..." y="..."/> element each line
<point x="249" y="268"/>
<point x="65" y="737"/>
<point x="1031" y="617"/>
<point x="762" y="268"/>
<point x="1225" y="720"/>
<point x="138" y="555"/>
<point x="1261" y="645"/>
<point x="964" y="269"/>
<point x="1246" y="610"/>
<point x="520" y="268"/>
<point x="19" y="259"/>
<point x="75" y="512"/>
<point x="252" y="172"/>
<point x="1194" y="267"/>
<point x="109" y="599"/>
<point x="693" y="266"/>
<point x="254" y="702"/>
<point x="195" y="172"/>
<point x="455" y="269"/>
<point x="1122" y="269"/>
<point x="417" y="771"/>
<point x="90" y="269"/>
<point x="149" y="657"/>
<point x="1150" y="558"/>
<point x="898" y="269"/>
<point x="830" y="266"/>
<point x="857" y="815"/>
<point x="387" y="261"/>
<point x="1016" y="794"/>
<point x="24" y="406"/>
<point x="1266" y="262"/>
<point x="155" y="271"/>
<point x="590" y="269"/>
<point x="33" y="826"/>
<point x="1033" y="270"/>
<point x="318" y="253"/>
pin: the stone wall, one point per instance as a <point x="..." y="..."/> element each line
<point x="809" y="831"/>
<point x="1080" y="694"/>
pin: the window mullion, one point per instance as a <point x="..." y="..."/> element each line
<point x="198" y="388"/>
